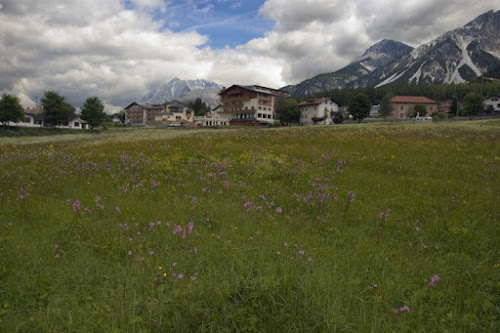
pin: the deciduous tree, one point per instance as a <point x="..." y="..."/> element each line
<point x="10" y="109"/>
<point x="472" y="104"/>
<point x="287" y="110"/>
<point x="55" y="111"/>
<point x="93" y="112"/>
<point x="419" y="109"/>
<point x="386" y="106"/>
<point x="360" y="107"/>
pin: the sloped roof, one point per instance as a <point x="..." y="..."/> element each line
<point x="255" y="88"/>
<point x="413" y="99"/>
<point x="33" y="112"/>
<point x="317" y="101"/>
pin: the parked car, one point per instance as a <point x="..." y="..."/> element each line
<point x="175" y="124"/>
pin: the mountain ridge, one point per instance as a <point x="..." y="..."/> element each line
<point x="459" y="55"/>
<point x="185" y="90"/>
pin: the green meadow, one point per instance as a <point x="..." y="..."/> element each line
<point x="389" y="227"/>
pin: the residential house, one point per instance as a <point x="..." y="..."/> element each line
<point x="318" y="112"/>
<point x="115" y="118"/>
<point x="401" y="105"/>
<point x="444" y="107"/>
<point x="374" y="110"/>
<point x="33" y="118"/>
<point x="213" y="118"/>
<point x="492" y="104"/>
<point x="250" y="105"/>
<point x="175" y="111"/>
<point x="137" y="113"/>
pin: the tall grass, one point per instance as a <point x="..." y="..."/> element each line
<point x="359" y="228"/>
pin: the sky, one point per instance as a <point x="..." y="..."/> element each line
<point x="119" y="50"/>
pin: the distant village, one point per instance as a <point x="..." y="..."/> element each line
<point x="256" y="106"/>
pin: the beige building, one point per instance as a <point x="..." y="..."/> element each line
<point x="401" y="105"/>
<point x="175" y="112"/>
<point x="137" y="113"/>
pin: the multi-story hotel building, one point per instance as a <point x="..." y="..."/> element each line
<point x="250" y="105"/>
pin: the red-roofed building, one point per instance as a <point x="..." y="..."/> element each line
<point x="401" y="105"/>
<point x="318" y="112"/>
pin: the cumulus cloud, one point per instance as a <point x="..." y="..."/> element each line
<point x="120" y="49"/>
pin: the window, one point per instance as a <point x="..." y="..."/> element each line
<point x="401" y="108"/>
<point x="77" y="124"/>
<point x="27" y="120"/>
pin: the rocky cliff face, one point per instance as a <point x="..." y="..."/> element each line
<point x="457" y="56"/>
<point x="380" y="54"/>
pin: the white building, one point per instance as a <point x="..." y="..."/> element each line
<point x="33" y="118"/>
<point x="318" y="112"/>
<point x="213" y="118"/>
<point x="492" y="103"/>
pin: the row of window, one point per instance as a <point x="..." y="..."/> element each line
<point x="238" y="109"/>
<point x="265" y="108"/>
<point x="263" y="115"/>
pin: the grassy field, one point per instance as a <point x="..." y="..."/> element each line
<point x="352" y="228"/>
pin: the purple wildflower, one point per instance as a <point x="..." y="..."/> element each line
<point x="77" y="205"/>
<point x="434" y="279"/>
<point x="180" y="276"/>
<point x="402" y="309"/>
<point x="279" y="210"/>
<point x="100" y="206"/>
<point x="97" y="198"/>
<point x="177" y="229"/>
<point x="190" y="227"/>
<point x="118" y="209"/>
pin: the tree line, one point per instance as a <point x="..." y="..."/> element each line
<point x="55" y="110"/>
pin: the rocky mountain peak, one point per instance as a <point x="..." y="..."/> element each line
<point x="185" y="90"/>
